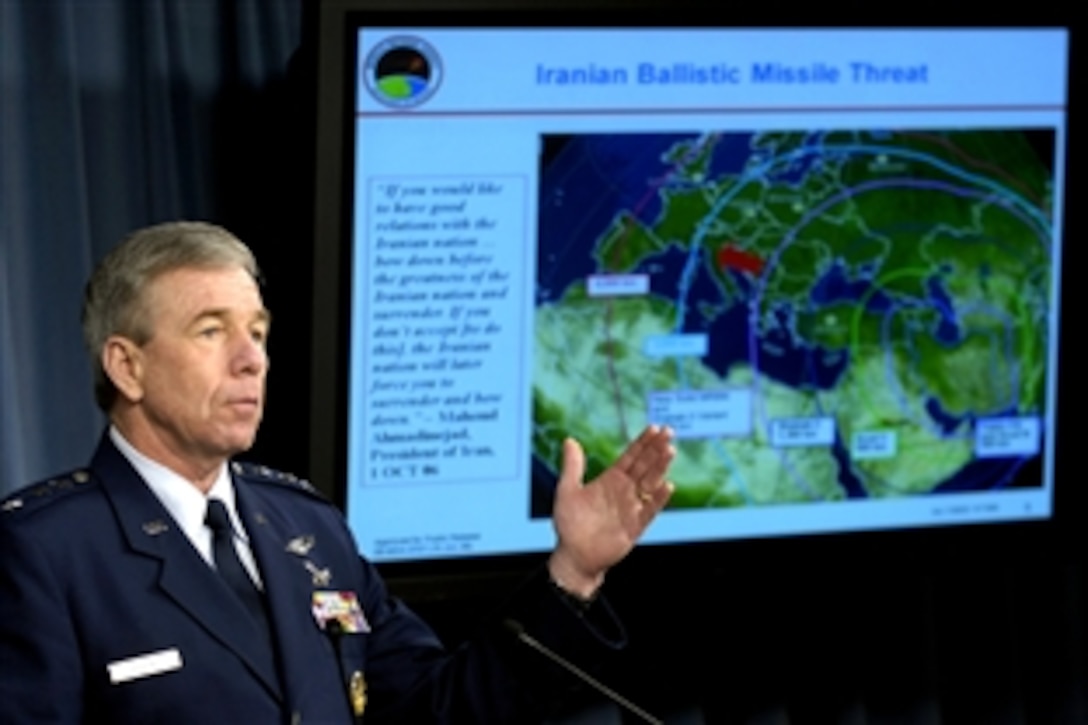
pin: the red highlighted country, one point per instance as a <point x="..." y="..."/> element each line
<point x="730" y="257"/>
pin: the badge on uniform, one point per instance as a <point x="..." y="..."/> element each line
<point x="357" y="693"/>
<point x="320" y="577"/>
<point x="300" y="545"/>
<point x="343" y="607"/>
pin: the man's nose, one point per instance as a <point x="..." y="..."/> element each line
<point x="250" y="355"/>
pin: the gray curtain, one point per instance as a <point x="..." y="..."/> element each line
<point x="108" y="118"/>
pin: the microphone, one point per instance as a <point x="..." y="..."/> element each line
<point x="518" y="631"/>
<point x="335" y="632"/>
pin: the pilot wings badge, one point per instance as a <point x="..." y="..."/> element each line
<point x="300" y="545"/>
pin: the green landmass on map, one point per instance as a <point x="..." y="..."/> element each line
<point x="923" y="225"/>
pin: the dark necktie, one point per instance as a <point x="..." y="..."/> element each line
<point x="230" y="567"/>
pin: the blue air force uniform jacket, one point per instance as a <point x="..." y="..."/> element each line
<point x="108" y="614"/>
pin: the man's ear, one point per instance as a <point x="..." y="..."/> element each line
<point x="123" y="363"/>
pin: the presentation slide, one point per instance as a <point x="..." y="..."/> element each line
<point x="827" y="259"/>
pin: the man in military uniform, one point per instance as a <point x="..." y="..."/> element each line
<point x="168" y="583"/>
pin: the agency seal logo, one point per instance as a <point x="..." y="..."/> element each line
<point x="402" y="71"/>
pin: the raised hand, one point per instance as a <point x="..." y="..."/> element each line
<point x="598" y="523"/>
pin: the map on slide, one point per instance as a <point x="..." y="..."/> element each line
<point x="820" y="315"/>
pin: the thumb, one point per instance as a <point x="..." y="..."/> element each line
<point x="574" y="465"/>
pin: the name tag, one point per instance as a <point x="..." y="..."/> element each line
<point x="154" y="663"/>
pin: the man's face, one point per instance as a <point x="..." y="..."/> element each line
<point x="203" y="369"/>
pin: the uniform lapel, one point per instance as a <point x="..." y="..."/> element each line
<point x="289" y="583"/>
<point x="185" y="577"/>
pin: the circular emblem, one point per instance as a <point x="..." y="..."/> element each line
<point x="402" y="71"/>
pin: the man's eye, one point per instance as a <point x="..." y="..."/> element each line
<point x="210" y="331"/>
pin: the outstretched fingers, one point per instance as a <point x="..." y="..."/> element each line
<point x="645" y="463"/>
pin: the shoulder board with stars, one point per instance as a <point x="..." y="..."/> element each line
<point x="38" y="494"/>
<point x="264" y="474"/>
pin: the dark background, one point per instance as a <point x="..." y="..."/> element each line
<point x="974" y="625"/>
<point x="970" y="625"/>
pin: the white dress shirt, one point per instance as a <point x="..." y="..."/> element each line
<point x="188" y="506"/>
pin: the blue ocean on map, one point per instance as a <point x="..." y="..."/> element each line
<point x="595" y="176"/>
